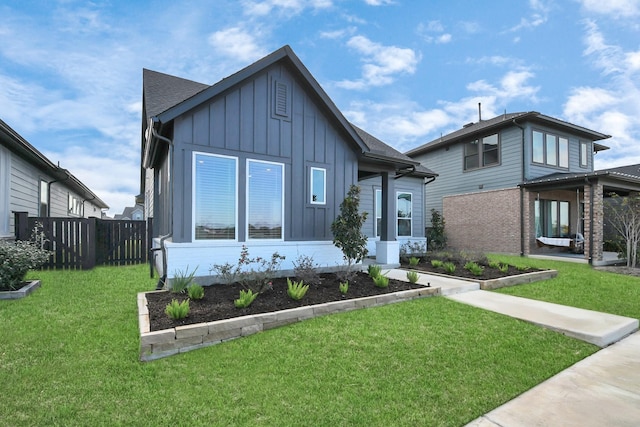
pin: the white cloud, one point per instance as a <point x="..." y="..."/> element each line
<point x="615" y="8"/>
<point x="512" y="85"/>
<point x="539" y="15"/>
<point x="238" y="43"/>
<point x="337" y="34"/>
<point x="433" y="32"/>
<point x="378" y="2"/>
<point x="381" y="63"/>
<point x="284" y="7"/>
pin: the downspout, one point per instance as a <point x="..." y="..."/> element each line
<point x="67" y="177"/>
<point x="522" y="224"/>
<point x="163" y="249"/>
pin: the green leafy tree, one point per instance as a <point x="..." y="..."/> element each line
<point x="347" y="228"/>
<point x="437" y="239"/>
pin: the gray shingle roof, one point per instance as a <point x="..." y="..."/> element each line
<point x="163" y="91"/>
<point x="504" y="120"/>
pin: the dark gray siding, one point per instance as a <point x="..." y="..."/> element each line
<point x="243" y="123"/>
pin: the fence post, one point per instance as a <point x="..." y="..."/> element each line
<point x="89" y="259"/>
<point x="150" y="252"/>
<point x="21" y="225"/>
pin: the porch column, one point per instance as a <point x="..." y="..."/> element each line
<point x="594" y="222"/>
<point x="388" y="248"/>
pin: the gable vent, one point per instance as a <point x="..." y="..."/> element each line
<point x="281" y="99"/>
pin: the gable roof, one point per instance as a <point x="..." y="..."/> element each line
<point x="21" y="147"/>
<point x="183" y="95"/>
<point x="484" y="126"/>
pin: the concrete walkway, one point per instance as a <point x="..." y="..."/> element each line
<point x="601" y="390"/>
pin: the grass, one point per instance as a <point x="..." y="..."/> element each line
<point x="579" y="285"/>
<point x="69" y="356"/>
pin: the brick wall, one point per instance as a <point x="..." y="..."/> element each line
<point x="487" y="221"/>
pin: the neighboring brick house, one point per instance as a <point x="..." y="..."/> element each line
<point x="264" y="158"/>
<point x="521" y="183"/>
<point x="29" y="182"/>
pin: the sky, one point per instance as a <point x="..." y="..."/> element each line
<point x="405" y="71"/>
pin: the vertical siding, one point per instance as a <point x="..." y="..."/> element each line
<point x="241" y="123"/>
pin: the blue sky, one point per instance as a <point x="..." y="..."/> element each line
<point x="406" y="71"/>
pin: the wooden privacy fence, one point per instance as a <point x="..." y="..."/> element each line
<point x="83" y="243"/>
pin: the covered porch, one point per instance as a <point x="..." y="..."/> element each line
<point x="564" y="214"/>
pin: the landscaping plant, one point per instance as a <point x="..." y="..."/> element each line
<point x="413" y="261"/>
<point x="306" y="270"/>
<point x="344" y="287"/>
<point x="381" y="281"/>
<point x="254" y="274"/>
<point x="347" y="229"/>
<point x="181" y="280"/>
<point x="374" y="270"/>
<point x="177" y="310"/>
<point x="504" y="268"/>
<point x="245" y="299"/>
<point x="18" y="257"/>
<point x="296" y="290"/>
<point x="436" y="263"/>
<point x="436" y="234"/>
<point x="195" y="291"/>
<point x="412" y="276"/>
<point x="449" y="267"/>
<point x="474" y="268"/>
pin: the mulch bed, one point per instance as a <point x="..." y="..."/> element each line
<point x="488" y="273"/>
<point x="217" y="303"/>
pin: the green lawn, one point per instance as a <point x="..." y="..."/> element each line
<point x="69" y="356"/>
<point x="579" y="285"/>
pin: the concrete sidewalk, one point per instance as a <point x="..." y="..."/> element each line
<point x="601" y="329"/>
<point x="601" y="390"/>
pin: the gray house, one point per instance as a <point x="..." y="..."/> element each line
<point x="521" y="183"/>
<point x="29" y="182"/>
<point x="264" y="158"/>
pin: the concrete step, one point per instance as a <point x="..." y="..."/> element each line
<point x="601" y="329"/>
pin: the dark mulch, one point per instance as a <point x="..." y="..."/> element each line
<point x="217" y="303"/>
<point x="488" y="273"/>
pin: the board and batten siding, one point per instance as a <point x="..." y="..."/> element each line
<point x="452" y="179"/>
<point x="242" y="123"/>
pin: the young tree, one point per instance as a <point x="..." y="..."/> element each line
<point x="437" y="239"/>
<point x="623" y="214"/>
<point x="346" y="228"/>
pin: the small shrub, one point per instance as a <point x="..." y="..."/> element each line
<point x="412" y="276"/>
<point x="413" y="261"/>
<point x="449" y="267"/>
<point x="306" y="270"/>
<point x="412" y="248"/>
<point x="494" y="264"/>
<point x="345" y="273"/>
<point x="347" y="228"/>
<point x="246" y="298"/>
<point x="436" y="233"/>
<point x="253" y="274"/>
<point x="344" y="287"/>
<point x="195" y="291"/>
<point x="296" y="290"/>
<point x="504" y="268"/>
<point x="177" y="310"/>
<point x="374" y="270"/>
<point x="436" y="263"/>
<point x="522" y="268"/>
<point x="381" y="281"/>
<point x="182" y="280"/>
<point x="17" y="258"/>
<point x="474" y="268"/>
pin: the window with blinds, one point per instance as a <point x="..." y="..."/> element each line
<point x="265" y="199"/>
<point x="215" y="197"/>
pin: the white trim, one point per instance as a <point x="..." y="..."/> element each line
<point x="193" y="197"/>
<point x="5" y="191"/>
<point x="324" y="186"/>
<point x="376" y="191"/>
<point x="248" y="239"/>
<point x="411" y="213"/>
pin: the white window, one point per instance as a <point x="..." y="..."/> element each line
<point x="550" y="149"/>
<point x="584" y="154"/>
<point x="265" y="200"/>
<point x="75" y="206"/>
<point x="44" y="198"/>
<point x="215" y="197"/>
<point x="318" y="186"/>
<point x="404" y="208"/>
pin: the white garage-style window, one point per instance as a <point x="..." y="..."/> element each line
<point x="265" y="200"/>
<point x="215" y="197"/>
<point x="318" y="186"/>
